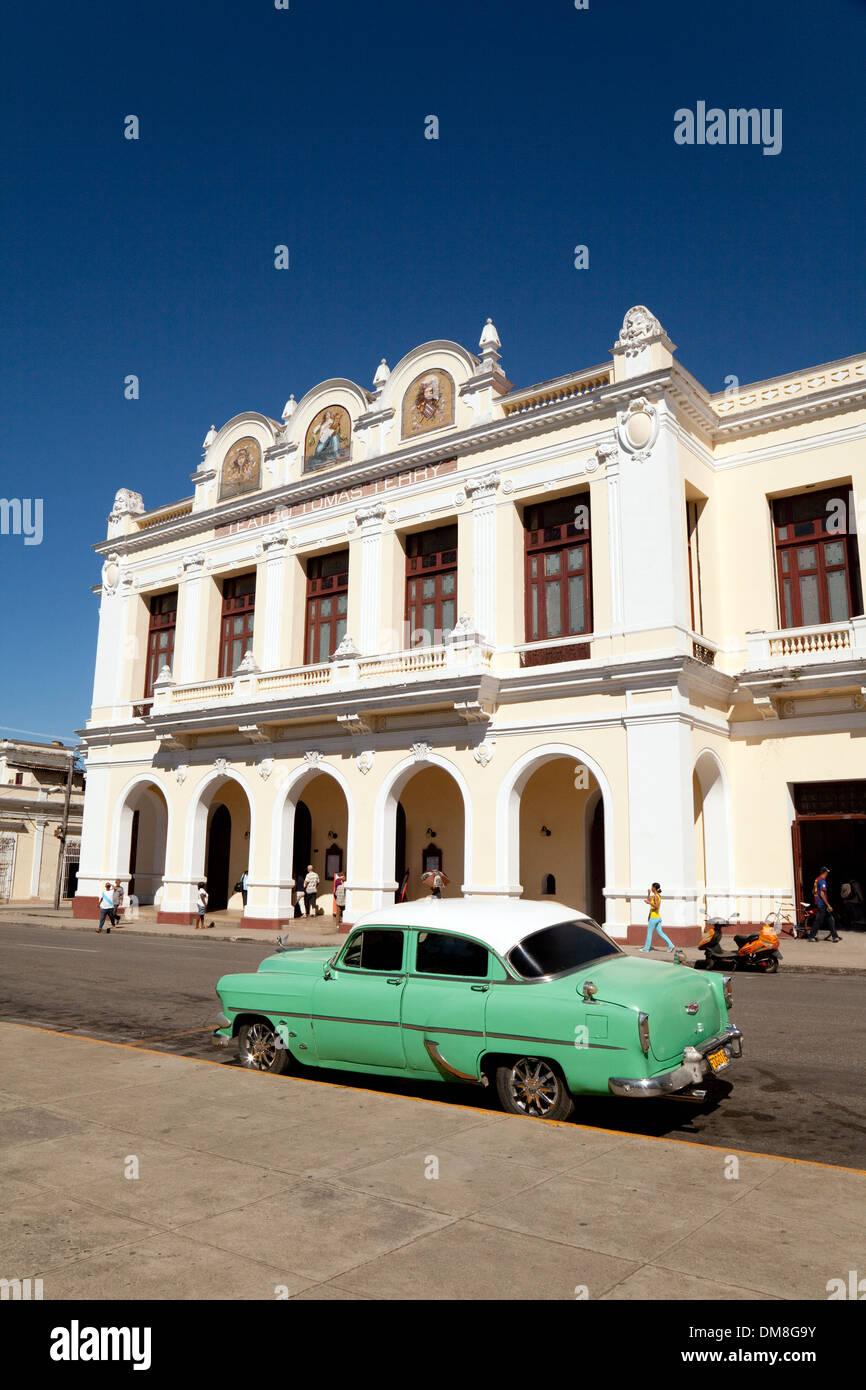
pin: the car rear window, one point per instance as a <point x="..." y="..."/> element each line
<point x="565" y="946"/>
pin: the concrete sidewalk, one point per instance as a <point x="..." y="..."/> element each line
<point x="849" y="957"/>
<point x="126" y="1174"/>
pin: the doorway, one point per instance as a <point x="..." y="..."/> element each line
<point x="216" y="870"/>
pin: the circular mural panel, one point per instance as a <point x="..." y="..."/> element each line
<point x="329" y="438"/>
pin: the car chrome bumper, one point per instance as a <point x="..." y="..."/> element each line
<point x="694" y="1069"/>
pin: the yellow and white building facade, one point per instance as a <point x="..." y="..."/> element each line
<point x="560" y="641"/>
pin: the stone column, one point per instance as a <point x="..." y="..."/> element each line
<point x="274" y="575"/>
<point x="189" y="617"/>
<point x="370" y="519"/>
<point x="483" y="493"/>
<point x="608" y="454"/>
<point x="660" y="811"/>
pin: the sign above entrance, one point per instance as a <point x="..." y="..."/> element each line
<point x="393" y="483"/>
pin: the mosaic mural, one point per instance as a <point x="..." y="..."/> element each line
<point x="428" y="404"/>
<point x="329" y="438"/>
<point x="242" y="469"/>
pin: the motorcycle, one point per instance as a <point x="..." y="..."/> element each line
<point x="759" y="951"/>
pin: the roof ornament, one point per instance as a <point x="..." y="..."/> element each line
<point x="380" y="380"/>
<point x="639" y="327"/>
<point x="489" y="344"/>
<point x="289" y="409"/>
<point x="209" y="437"/>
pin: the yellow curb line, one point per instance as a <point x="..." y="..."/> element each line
<point x="424" y="1100"/>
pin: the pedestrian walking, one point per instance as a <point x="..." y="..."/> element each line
<point x="201" y="903"/>
<point x="823" y="911"/>
<point x="245" y="878"/>
<point x="654" y="922"/>
<point x="339" y="898"/>
<point x="118" y="901"/>
<point x="436" y="881"/>
<point x="311" y="888"/>
<point x="106" y="908"/>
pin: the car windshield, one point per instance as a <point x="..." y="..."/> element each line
<point x="566" y="946"/>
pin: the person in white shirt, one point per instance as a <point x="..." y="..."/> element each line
<point x="202" y="906"/>
<point x="311" y="888"/>
<point x="106" y="908"/>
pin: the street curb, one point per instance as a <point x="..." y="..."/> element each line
<point x="329" y="939"/>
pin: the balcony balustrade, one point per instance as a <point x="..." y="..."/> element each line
<point x="823" y="642"/>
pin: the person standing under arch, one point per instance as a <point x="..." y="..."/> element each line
<point x="654" y="923"/>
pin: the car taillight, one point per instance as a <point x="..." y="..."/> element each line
<point x="643" y="1031"/>
<point x="728" y="986"/>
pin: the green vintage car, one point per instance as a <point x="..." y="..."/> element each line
<point x="530" y="997"/>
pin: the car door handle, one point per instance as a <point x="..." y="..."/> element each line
<point x="480" y="989"/>
<point x="396" y="982"/>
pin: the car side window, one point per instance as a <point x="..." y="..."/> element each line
<point x="375" y="948"/>
<point x="441" y="954"/>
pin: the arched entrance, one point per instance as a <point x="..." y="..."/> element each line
<point x="561" y="841"/>
<point x="220" y="839"/>
<point x="142" y="834"/>
<point x="312" y="825"/>
<point x="422" y="819"/>
<point x="712" y="834"/>
<point x="554" y="830"/>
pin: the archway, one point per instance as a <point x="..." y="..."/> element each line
<point x="558" y="854"/>
<point x="138" y="853"/>
<point x="561" y="790"/>
<point x="423" y="817"/>
<point x="220" y="838"/>
<point x="315" y="830"/>
<point x="713" y="833"/>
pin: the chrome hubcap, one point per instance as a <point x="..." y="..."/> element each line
<point x="261" y="1049"/>
<point x="534" y="1086"/>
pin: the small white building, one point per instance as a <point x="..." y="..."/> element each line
<point x="32" y="796"/>
<point x="559" y="640"/>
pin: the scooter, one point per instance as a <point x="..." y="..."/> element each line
<point x="760" y="951"/>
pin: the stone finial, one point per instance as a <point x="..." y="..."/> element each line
<point x="209" y="437"/>
<point x="489" y="337"/>
<point x="289" y="409"/>
<point x="489" y="344"/>
<point x="126" y="503"/>
<point x="383" y="372"/>
<point x="164" y="677"/>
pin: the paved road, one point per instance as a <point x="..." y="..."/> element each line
<point x="798" y="1091"/>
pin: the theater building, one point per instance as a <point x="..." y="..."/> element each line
<point x="557" y="640"/>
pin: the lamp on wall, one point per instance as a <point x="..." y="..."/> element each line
<point x="332" y="834"/>
<point x="545" y="831"/>
<point x="431" y="833"/>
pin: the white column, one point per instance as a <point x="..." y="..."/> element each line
<point x="609" y="455"/>
<point x="370" y="520"/>
<point x="36" y="866"/>
<point x="483" y="493"/>
<point x="655" y="581"/>
<point x="112" y="649"/>
<point x="95" y="848"/>
<point x="660" y="808"/>
<point x="189" y="606"/>
<point x="275" y="576"/>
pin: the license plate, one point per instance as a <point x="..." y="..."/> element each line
<point x="718" y="1060"/>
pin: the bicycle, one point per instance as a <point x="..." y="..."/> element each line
<point x="782" y="922"/>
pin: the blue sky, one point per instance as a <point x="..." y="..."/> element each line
<point x="261" y="126"/>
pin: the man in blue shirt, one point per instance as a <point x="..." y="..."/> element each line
<point x="823" y="911"/>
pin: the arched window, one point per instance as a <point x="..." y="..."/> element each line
<point x="548" y="884"/>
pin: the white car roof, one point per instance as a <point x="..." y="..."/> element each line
<point x="499" y="924"/>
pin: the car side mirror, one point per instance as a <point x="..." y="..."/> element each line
<point x="326" y="970"/>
